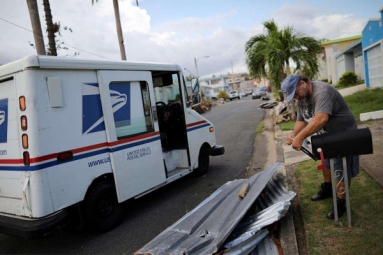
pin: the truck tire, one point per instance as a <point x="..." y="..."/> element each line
<point x="203" y="162"/>
<point x="101" y="210"/>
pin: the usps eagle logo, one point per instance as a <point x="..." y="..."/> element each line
<point x="2" y="117"/>
<point x="93" y="119"/>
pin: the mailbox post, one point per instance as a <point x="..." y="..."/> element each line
<point x="341" y="145"/>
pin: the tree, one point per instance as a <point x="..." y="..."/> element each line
<point x="269" y="55"/>
<point x="54" y="45"/>
<point x="118" y="27"/>
<point x="36" y="26"/>
<point x="51" y="29"/>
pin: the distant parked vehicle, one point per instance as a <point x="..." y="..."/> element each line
<point x="242" y="93"/>
<point x="249" y="91"/>
<point x="234" y="94"/>
<point x="258" y="93"/>
<point x="268" y="89"/>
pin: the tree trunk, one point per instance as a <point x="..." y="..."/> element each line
<point x="36" y="26"/>
<point x="119" y="30"/>
<point x="50" y="28"/>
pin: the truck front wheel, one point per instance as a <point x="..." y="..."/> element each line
<point x="101" y="210"/>
<point x="203" y="162"/>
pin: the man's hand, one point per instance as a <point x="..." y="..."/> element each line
<point x="297" y="143"/>
<point x="290" y="139"/>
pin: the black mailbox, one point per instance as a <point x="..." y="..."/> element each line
<point x="342" y="144"/>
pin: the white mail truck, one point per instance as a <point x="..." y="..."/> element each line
<point x="85" y="135"/>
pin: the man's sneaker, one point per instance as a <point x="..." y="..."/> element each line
<point x="341" y="205"/>
<point x="325" y="191"/>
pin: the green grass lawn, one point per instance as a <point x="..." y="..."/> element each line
<point x="368" y="100"/>
<point x="324" y="236"/>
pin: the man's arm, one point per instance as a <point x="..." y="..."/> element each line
<point x="315" y="124"/>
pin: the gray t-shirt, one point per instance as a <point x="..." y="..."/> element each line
<point x="326" y="99"/>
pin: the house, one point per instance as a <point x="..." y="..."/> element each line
<point x="350" y="59"/>
<point x="235" y="80"/>
<point x="372" y="47"/>
<point x="212" y="91"/>
<point x="333" y="61"/>
<point x="212" y="86"/>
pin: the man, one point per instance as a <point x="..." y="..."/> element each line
<point x="321" y="109"/>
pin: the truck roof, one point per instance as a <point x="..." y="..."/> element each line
<point x="50" y="62"/>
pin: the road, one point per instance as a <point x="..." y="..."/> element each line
<point x="235" y="124"/>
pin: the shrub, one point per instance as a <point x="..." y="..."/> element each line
<point x="204" y="106"/>
<point x="223" y="94"/>
<point x="348" y="79"/>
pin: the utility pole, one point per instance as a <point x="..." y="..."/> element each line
<point x="119" y="29"/>
<point x="36" y="26"/>
<point x="196" y="66"/>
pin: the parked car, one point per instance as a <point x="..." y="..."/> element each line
<point x="249" y="91"/>
<point x="268" y="89"/>
<point x="258" y="93"/>
<point x="242" y="93"/>
<point x="234" y="94"/>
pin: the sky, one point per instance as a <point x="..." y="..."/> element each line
<point x="214" y="32"/>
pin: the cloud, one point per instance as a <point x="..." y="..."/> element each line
<point x="316" y="22"/>
<point x="220" y="35"/>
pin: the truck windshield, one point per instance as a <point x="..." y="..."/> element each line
<point x="170" y="93"/>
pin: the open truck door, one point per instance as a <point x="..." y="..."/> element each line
<point x="132" y="132"/>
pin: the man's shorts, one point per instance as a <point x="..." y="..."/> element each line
<point x="352" y="167"/>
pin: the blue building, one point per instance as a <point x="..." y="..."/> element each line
<point x="372" y="46"/>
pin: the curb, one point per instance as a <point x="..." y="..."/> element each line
<point x="287" y="233"/>
<point x="275" y="146"/>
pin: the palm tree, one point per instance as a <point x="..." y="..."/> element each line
<point x="51" y="29"/>
<point x="269" y="54"/>
<point x="118" y="27"/>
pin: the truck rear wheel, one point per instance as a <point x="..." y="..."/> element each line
<point x="203" y="162"/>
<point x="101" y="210"/>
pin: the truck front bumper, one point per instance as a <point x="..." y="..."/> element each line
<point x="217" y="150"/>
<point x="33" y="228"/>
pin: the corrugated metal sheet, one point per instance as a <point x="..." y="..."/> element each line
<point x="274" y="203"/>
<point x="205" y="228"/>
<point x="266" y="247"/>
<point x="247" y="246"/>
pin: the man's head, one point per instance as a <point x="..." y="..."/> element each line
<point x="289" y="86"/>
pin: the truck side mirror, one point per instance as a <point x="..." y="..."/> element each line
<point x="195" y="85"/>
<point x="196" y="99"/>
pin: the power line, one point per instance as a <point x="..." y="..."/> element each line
<point x="47" y="37"/>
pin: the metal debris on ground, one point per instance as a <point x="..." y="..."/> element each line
<point x="216" y="225"/>
<point x="280" y="108"/>
<point x="268" y="105"/>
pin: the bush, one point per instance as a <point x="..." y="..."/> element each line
<point x="223" y="94"/>
<point x="204" y="106"/>
<point x="348" y="79"/>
